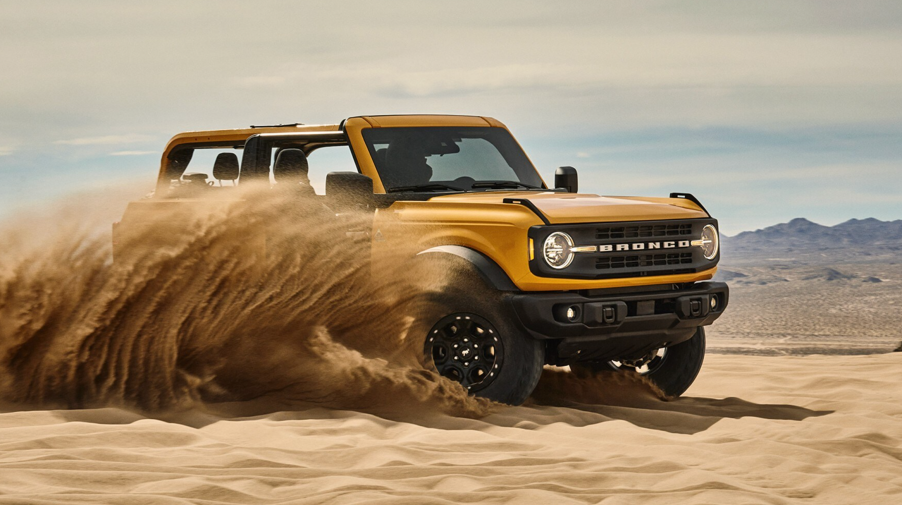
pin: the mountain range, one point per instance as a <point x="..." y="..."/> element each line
<point x="855" y="238"/>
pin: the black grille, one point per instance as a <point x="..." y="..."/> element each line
<point x="643" y="231"/>
<point x="643" y="260"/>
<point x="626" y="249"/>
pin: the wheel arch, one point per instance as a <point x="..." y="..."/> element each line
<point x="490" y="271"/>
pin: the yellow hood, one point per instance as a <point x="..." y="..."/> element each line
<point x="561" y="208"/>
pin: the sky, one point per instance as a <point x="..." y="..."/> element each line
<point x="765" y="110"/>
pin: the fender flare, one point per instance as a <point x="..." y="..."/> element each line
<point x="493" y="274"/>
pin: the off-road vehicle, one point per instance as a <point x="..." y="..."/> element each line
<point x="561" y="277"/>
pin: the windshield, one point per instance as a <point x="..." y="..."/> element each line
<point x="449" y="158"/>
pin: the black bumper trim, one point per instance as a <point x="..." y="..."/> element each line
<point x="659" y="318"/>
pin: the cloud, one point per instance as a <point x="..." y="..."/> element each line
<point x="262" y="81"/>
<point x="132" y="153"/>
<point x="570" y="78"/>
<point x="106" y="140"/>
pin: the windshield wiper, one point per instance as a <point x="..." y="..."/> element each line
<point x="503" y="184"/>
<point x="432" y="186"/>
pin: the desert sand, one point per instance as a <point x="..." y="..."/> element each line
<point x="752" y="429"/>
<point x="189" y="374"/>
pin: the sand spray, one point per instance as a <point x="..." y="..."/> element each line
<point x="271" y="303"/>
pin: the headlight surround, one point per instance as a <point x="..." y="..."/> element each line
<point x="710" y="242"/>
<point x="558" y="250"/>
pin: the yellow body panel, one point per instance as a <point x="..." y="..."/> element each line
<point x="480" y="221"/>
<point x="561" y="208"/>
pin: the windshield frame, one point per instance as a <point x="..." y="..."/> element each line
<point x="523" y="173"/>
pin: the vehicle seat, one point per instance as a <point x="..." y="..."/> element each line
<point x="290" y="170"/>
<point x="225" y="168"/>
<point x="406" y="163"/>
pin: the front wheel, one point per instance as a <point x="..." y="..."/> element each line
<point x="470" y="339"/>
<point x="673" y="369"/>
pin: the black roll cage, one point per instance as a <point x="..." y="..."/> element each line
<point x="257" y="156"/>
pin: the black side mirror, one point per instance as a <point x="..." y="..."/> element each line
<point x="566" y="178"/>
<point x="349" y="189"/>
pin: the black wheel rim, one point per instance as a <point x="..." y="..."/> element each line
<point x="465" y="348"/>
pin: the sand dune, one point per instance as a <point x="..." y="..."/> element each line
<point x="753" y="429"/>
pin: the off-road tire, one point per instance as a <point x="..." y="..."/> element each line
<point x="521" y="358"/>
<point x="677" y="371"/>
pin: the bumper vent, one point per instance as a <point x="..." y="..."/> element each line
<point x="643" y="231"/>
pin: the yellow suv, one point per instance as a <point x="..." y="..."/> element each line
<point x="558" y="277"/>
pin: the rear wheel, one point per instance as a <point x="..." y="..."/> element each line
<point x="673" y="369"/>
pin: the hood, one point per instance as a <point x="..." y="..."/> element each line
<point x="563" y="208"/>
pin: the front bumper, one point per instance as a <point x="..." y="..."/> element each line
<point x="606" y="324"/>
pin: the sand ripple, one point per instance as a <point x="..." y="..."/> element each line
<point x="818" y="429"/>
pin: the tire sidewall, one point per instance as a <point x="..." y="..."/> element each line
<point x="681" y="365"/>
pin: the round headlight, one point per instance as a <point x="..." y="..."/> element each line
<point x="709" y="242"/>
<point x="558" y="250"/>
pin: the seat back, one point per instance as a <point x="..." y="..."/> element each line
<point x="225" y="168"/>
<point x="291" y="167"/>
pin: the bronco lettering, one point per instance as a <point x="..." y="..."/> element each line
<point x="639" y="246"/>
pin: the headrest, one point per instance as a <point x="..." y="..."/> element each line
<point x="225" y="168"/>
<point x="379" y="158"/>
<point x="406" y="162"/>
<point x="291" y="166"/>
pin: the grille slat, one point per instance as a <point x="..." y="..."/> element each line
<point x="643" y="231"/>
<point x="643" y="260"/>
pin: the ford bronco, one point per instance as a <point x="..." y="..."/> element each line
<point x="559" y="277"/>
